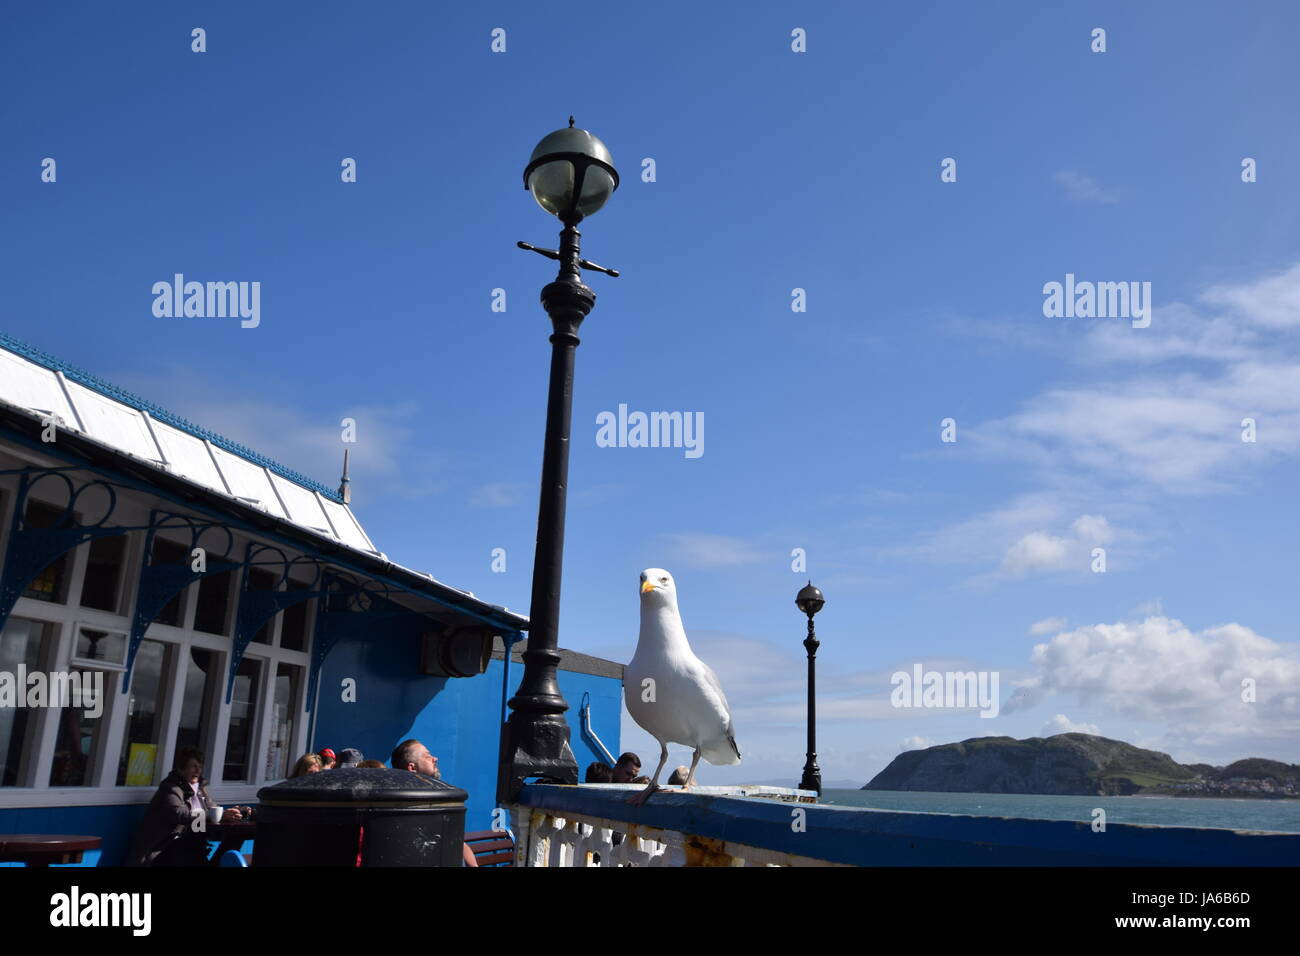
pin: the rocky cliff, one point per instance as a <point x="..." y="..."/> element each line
<point x="1064" y="764"/>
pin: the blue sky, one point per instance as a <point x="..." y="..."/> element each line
<point x="775" y="170"/>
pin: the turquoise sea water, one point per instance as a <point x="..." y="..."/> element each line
<point x="1244" y="814"/>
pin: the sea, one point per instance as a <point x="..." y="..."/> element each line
<point x="1228" y="814"/>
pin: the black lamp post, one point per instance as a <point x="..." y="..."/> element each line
<point x="810" y="600"/>
<point x="571" y="174"/>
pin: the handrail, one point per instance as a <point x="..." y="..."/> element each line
<point x="587" y="730"/>
<point x="724" y="825"/>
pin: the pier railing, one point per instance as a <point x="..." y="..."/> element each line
<point x="592" y="825"/>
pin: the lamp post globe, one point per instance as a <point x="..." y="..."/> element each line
<point x="810" y="600"/>
<point x="571" y="174"/>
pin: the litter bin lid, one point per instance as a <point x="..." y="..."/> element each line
<point x="362" y="785"/>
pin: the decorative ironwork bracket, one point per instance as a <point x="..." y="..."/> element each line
<point x="257" y="607"/>
<point x="31" y="550"/>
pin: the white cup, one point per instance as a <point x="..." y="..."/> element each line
<point x="214" y="814"/>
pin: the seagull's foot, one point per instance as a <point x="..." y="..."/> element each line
<point x="639" y="799"/>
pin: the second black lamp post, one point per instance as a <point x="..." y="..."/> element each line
<point x="571" y="174"/>
<point x="810" y="600"/>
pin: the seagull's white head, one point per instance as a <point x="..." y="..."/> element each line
<point x="657" y="585"/>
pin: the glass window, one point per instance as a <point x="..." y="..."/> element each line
<point x="293" y="622"/>
<point x="243" y="714"/>
<point x="169" y="552"/>
<point x="212" y="610"/>
<point x="138" y="764"/>
<point x="80" y="724"/>
<point x="23" y="646"/>
<point x="202" y="678"/>
<point x="102" y="585"/>
<point x="279" y="750"/>
<point x="106" y="646"/>
<point x="260" y="579"/>
<point x="51" y="584"/>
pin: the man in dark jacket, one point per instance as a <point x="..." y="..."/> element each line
<point x="167" y="835"/>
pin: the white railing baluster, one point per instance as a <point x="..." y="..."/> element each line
<point x="568" y="838"/>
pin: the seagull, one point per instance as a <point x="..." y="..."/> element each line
<point x="672" y="694"/>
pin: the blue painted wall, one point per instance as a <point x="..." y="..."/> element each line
<point x="458" y="719"/>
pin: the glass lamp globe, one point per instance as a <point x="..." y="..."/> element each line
<point x="571" y="173"/>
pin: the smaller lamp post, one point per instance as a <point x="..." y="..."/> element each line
<point x="810" y="600"/>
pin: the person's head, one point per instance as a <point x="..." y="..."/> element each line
<point x="414" y="756"/>
<point x="350" y="757"/>
<point x="628" y="766"/>
<point x="600" y="773"/>
<point x="189" y="763"/>
<point x="307" y="763"/>
<point x="327" y="759"/>
<point x="641" y="779"/>
<point x="372" y="764"/>
<point x="679" y="777"/>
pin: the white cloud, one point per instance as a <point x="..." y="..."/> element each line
<point x="1083" y="188"/>
<point x="1179" y="428"/>
<point x="1273" y="302"/>
<point x="386" y="457"/>
<point x="700" y="550"/>
<point x="499" y="494"/>
<point x="1039" y="552"/>
<point x="915" y="743"/>
<point x="1158" y="669"/>
<point x="1060" y="724"/>
<point x="1047" y="625"/>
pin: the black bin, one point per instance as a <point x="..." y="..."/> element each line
<point x="378" y="817"/>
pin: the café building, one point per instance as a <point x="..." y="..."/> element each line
<point x="221" y="601"/>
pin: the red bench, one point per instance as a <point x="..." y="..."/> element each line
<point x="491" y="847"/>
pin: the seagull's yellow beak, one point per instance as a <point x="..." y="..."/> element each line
<point x="647" y="586"/>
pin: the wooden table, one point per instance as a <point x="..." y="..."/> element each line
<point x="231" y="835"/>
<point x="43" y="849"/>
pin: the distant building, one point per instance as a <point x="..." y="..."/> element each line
<point x="225" y="602"/>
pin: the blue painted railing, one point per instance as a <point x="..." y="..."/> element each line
<point x="726" y="825"/>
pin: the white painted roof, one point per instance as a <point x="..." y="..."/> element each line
<point x="43" y="385"/>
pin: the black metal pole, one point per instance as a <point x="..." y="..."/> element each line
<point x="536" y="738"/>
<point x="812" y="775"/>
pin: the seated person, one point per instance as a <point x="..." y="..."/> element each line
<point x="679" y="777"/>
<point x="414" y="756"/>
<point x="168" y="836"/>
<point x="307" y="763"/>
<point x="600" y="773"/>
<point x="627" y="768"/>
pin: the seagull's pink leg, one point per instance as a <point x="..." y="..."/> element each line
<point x="690" y="777"/>
<point x="637" y="799"/>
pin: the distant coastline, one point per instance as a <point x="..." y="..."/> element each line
<point x="1080" y="765"/>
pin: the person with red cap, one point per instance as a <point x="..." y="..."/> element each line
<point x="327" y="759"/>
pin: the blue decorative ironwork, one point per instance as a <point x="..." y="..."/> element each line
<point x="161" y="581"/>
<point x="351" y="609"/>
<point x="31" y="550"/>
<point x="257" y="607"/>
<point x="161" y="414"/>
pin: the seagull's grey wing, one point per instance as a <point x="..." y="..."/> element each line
<point x="713" y="687"/>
